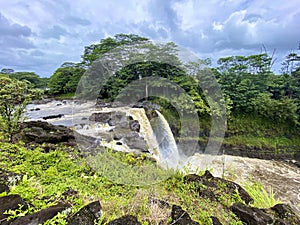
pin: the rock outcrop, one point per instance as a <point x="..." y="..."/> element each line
<point x="212" y="183"/>
<point x="43" y="132"/>
<point x="278" y="214"/>
<point x="181" y="217"/>
<point x="41" y="216"/>
<point x="87" y="215"/>
<point x="10" y="202"/>
<point x="125" y="220"/>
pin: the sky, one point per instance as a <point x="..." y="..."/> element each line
<point x="40" y="35"/>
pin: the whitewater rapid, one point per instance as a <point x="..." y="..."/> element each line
<point x="283" y="178"/>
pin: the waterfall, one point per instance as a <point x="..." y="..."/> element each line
<point x="139" y="114"/>
<point x="158" y="136"/>
<point x="168" y="152"/>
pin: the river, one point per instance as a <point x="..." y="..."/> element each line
<point x="282" y="177"/>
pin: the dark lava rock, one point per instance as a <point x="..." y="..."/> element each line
<point x="41" y="216"/>
<point x="215" y="220"/>
<point x="286" y="214"/>
<point x="125" y="220"/>
<point x="53" y="116"/>
<point x="4" y="188"/>
<point x="131" y="138"/>
<point x="43" y="132"/>
<point x="35" y="109"/>
<point x="12" y="202"/>
<point x="134" y="125"/>
<point x="181" y="217"/>
<point x="251" y="215"/>
<point x="100" y="117"/>
<point x="213" y="183"/>
<point x="86" y="215"/>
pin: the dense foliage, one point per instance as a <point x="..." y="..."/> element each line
<point x="35" y="80"/>
<point x="250" y="87"/>
<point x="254" y="88"/>
<point x="14" y="96"/>
<point x="248" y="83"/>
<point x="65" y="79"/>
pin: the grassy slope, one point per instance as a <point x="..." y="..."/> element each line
<point x="47" y="175"/>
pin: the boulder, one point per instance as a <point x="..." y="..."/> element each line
<point x="4" y="188"/>
<point x="100" y="117"/>
<point x="251" y="215"/>
<point x="215" y="220"/>
<point x="286" y="214"/>
<point x="53" y="116"/>
<point x="213" y="183"/>
<point x="125" y="220"/>
<point x="87" y="215"/>
<point x="12" y="202"/>
<point x="43" y="132"/>
<point x="134" y="125"/>
<point x="131" y="138"/>
<point x="181" y="217"/>
<point x="42" y="216"/>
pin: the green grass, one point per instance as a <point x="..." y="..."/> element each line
<point x="253" y="125"/>
<point x="45" y="176"/>
<point x="262" y="198"/>
<point x="261" y="142"/>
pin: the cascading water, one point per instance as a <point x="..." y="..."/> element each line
<point x="168" y="153"/>
<point x="146" y="129"/>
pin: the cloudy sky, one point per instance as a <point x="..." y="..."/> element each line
<point x="39" y="35"/>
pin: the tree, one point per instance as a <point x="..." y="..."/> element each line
<point x="94" y="51"/>
<point x="65" y="79"/>
<point x="291" y="63"/>
<point x="14" y="96"/>
<point x="34" y="79"/>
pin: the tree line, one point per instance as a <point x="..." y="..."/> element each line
<point x="248" y="84"/>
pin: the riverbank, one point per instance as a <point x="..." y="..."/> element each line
<point x="61" y="185"/>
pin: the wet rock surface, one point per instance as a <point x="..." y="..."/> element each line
<point x="115" y="127"/>
<point x="100" y="117"/>
<point x="53" y="116"/>
<point x="43" y="132"/>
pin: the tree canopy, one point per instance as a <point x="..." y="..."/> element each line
<point x="14" y="96"/>
<point x="249" y="86"/>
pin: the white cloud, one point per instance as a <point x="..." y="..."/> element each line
<point x="51" y="32"/>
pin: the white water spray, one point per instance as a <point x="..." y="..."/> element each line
<point x="168" y="152"/>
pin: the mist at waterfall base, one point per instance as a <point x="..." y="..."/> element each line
<point x="239" y="169"/>
<point x="168" y="151"/>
